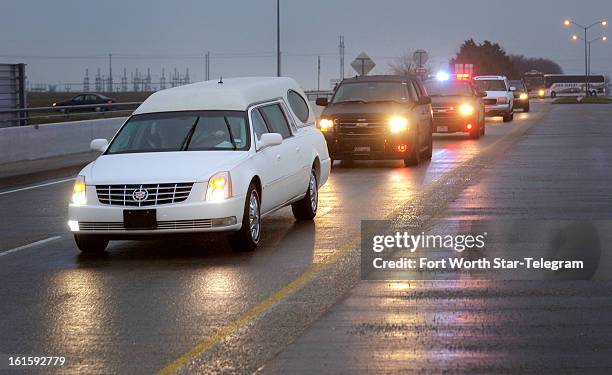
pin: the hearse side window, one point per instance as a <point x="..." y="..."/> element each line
<point x="298" y="105"/>
<point x="259" y="125"/>
<point x="276" y="120"/>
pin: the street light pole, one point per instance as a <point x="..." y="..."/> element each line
<point x="586" y="47"/>
<point x="588" y="56"/>
<point x="278" y="53"/>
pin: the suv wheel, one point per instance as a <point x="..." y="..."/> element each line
<point x="90" y="244"/>
<point x="429" y="152"/>
<point x="415" y="153"/>
<point x="247" y="238"/>
<point x="306" y="208"/>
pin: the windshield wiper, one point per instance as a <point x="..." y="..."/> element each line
<point x="387" y="101"/>
<point x="187" y="139"/>
<point x="351" y="101"/>
<point x="229" y="130"/>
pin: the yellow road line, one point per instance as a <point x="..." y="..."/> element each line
<point x="208" y="343"/>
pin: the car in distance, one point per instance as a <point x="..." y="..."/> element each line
<point x="378" y="118"/>
<point x="457" y="106"/>
<point x="521" y="95"/>
<point x="85" y="99"/>
<point x="499" y="100"/>
<point x="206" y="157"/>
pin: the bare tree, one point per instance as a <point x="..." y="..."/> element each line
<point x="403" y="65"/>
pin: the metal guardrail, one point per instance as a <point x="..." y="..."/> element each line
<point x="66" y="111"/>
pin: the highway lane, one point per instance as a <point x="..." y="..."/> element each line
<point x="143" y="306"/>
<point x="550" y="195"/>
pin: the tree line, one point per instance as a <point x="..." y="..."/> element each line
<point x="489" y="58"/>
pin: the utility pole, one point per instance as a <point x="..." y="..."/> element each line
<point x="278" y="52"/>
<point x="318" y="73"/>
<point x="110" y="72"/>
<point x="207" y="70"/>
<point x="341" y="50"/>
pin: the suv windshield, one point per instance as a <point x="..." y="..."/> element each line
<point x="371" y="92"/>
<point x="491" y="85"/>
<point x="517" y="84"/>
<point x="182" y="131"/>
<point x="448" y="88"/>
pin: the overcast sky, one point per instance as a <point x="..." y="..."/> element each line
<point x="59" y="39"/>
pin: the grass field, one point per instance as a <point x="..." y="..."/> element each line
<point x="584" y="100"/>
<point x="46" y="99"/>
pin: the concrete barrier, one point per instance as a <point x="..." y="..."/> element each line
<point x="41" y="141"/>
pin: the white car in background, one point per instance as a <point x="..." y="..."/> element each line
<point x="206" y="157"/>
<point x="500" y="97"/>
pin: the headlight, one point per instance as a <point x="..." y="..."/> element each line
<point x="541" y="92"/>
<point x="219" y="187"/>
<point x="326" y="124"/>
<point x="502" y="100"/>
<point x="398" y="124"/>
<point x="78" y="191"/>
<point x="524" y="96"/>
<point x="466" y="109"/>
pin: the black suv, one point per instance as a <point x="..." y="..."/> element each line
<point x="457" y="107"/>
<point x="521" y="95"/>
<point x="378" y="117"/>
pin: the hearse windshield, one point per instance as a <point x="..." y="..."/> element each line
<point x="182" y="131"/>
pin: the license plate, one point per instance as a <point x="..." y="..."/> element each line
<point x="362" y="149"/>
<point x="442" y="128"/>
<point x="140" y="219"/>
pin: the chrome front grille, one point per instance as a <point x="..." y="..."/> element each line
<point x="161" y="225"/>
<point x="490" y="101"/>
<point x="137" y="195"/>
<point x="361" y="127"/>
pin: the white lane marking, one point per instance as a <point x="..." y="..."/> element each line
<point x="23" y="247"/>
<point x="37" y="186"/>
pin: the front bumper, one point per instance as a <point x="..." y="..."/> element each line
<point x="498" y="110"/>
<point x="386" y="147"/>
<point x="518" y="103"/>
<point x="454" y="124"/>
<point x="192" y="216"/>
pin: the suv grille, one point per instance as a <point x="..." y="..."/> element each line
<point x="490" y="101"/>
<point x="361" y="127"/>
<point x="143" y="195"/>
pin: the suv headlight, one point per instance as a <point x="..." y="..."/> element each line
<point x="78" y="191"/>
<point x="326" y="125"/>
<point x="523" y="96"/>
<point x="466" y="109"/>
<point x="219" y="187"/>
<point x="398" y="124"/>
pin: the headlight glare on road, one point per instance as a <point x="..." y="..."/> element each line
<point x="523" y="96"/>
<point x="326" y="124"/>
<point x="398" y="124"/>
<point x="219" y="187"/>
<point x="78" y="191"/>
<point x="466" y="109"/>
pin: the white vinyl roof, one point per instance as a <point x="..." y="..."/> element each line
<point x="234" y="94"/>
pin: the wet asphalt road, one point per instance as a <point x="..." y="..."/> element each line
<point x="193" y="306"/>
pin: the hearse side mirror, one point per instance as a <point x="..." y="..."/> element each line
<point x="99" y="145"/>
<point x="323" y="102"/>
<point x="269" y="139"/>
<point x="424" y="100"/>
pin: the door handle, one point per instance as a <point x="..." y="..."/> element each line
<point x="297" y="149"/>
<point x="278" y="157"/>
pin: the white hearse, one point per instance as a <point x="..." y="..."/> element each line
<point x="206" y="157"/>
